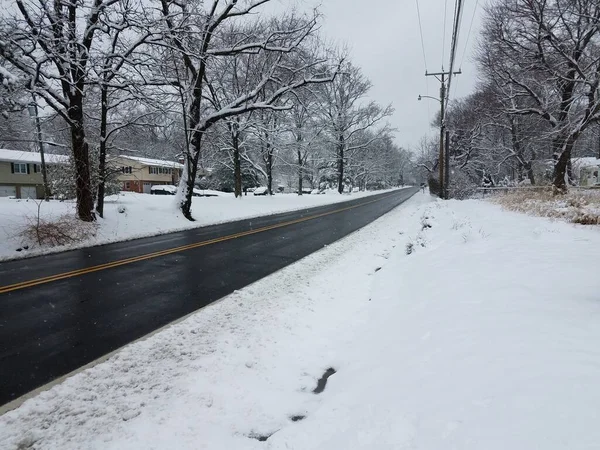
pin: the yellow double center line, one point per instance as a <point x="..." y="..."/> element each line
<point x="122" y="262"/>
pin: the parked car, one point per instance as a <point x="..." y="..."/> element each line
<point x="163" y="189"/>
<point x="263" y="190"/>
<point x="204" y="193"/>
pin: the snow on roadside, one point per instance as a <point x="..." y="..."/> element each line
<point x="130" y="216"/>
<point x="484" y="336"/>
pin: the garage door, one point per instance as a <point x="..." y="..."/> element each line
<point x="28" y="192"/>
<point x="8" y="191"/>
<point x="147" y="188"/>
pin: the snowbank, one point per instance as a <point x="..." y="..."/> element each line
<point x="130" y="215"/>
<point x="485" y="336"/>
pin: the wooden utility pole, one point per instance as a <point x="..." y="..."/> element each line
<point x="442" y="127"/>
<point x="447" y="165"/>
<point x="441" y="77"/>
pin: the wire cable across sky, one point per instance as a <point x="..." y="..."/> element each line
<point x="455" y="36"/>
<point x="421" y="33"/>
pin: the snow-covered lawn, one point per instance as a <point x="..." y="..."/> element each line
<point x="484" y="336"/>
<point x="144" y="215"/>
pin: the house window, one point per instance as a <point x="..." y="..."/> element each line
<point x="160" y="170"/>
<point x="127" y="185"/>
<point x="20" y="168"/>
<point x="126" y="169"/>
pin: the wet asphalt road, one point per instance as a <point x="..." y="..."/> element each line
<point x="52" y="328"/>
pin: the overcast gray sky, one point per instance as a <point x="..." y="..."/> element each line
<point x="383" y="38"/>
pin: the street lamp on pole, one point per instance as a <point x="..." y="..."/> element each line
<point x="421" y="97"/>
<point x="33" y="113"/>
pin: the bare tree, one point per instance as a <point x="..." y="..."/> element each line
<point x="50" y="44"/>
<point x="231" y="78"/>
<point x="379" y="165"/>
<point x="117" y="73"/>
<point x="211" y="39"/>
<point x="347" y="115"/>
<point x="544" y="56"/>
<point x="306" y="129"/>
<point x="267" y="130"/>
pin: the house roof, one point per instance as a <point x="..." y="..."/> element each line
<point x="586" y="161"/>
<point x="153" y="162"/>
<point x="31" y="157"/>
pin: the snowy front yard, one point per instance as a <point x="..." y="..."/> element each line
<point x="450" y="325"/>
<point x="130" y="215"/>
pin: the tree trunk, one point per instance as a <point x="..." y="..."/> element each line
<point x="520" y="169"/>
<point x="340" y="161"/>
<point x="237" y="166"/>
<point x="102" y="156"/>
<point x="85" y="199"/>
<point x="269" y="168"/>
<point x="193" y="155"/>
<point x="530" y="174"/>
<point x="189" y="176"/>
<point x="38" y="128"/>
<point x="598" y="140"/>
<point x="562" y="167"/>
<point x="517" y="149"/>
<point x="300" y="174"/>
<point x="570" y="178"/>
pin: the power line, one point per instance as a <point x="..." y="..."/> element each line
<point x="421" y="32"/>
<point x="444" y="34"/>
<point x="455" y="35"/>
<point x="469" y="34"/>
<point x="424" y="58"/>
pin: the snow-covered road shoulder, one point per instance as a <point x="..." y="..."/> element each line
<point x="449" y="325"/>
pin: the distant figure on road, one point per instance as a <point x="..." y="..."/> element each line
<point x="423" y="187"/>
